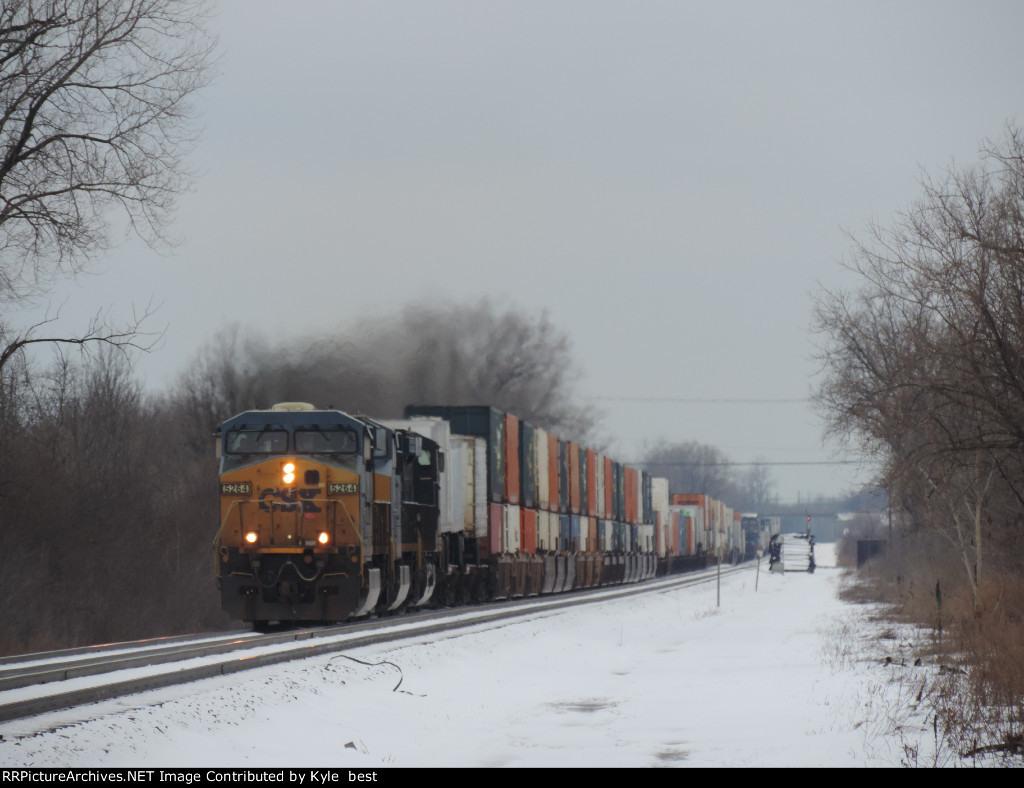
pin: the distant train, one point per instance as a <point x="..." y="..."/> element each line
<point x="327" y="516"/>
<point x="757" y="534"/>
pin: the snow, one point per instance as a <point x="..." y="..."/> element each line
<point x="784" y="675"/>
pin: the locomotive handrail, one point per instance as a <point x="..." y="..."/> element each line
<point x="224" y="519"/>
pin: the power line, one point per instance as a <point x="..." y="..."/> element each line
<point x="705" y="401"/>
<point x="680" y="463"/>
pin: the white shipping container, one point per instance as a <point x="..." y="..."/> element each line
<point x="543" y="533"/>
<point x="463" y="464"/>
<point x="468" y="465"/>
<point x="660" y="500"/>
<point x="600" y="485"/>
<point x="647" y="538"/>
<point x="480" y="487"/>
<point x="511" y="529"/>
<point x="543" y="493"/>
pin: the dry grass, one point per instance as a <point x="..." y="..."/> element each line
<point x="974" y="701"/>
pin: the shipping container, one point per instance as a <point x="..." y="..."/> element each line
<point x="511" y="524"/>
<point x="495" y="529"/>
<point x="564" y="532"/>
<point x="632" y="496"/>
<point x="584" y="482"/>
<point x="528" y="465"/>
<point x="512" y="484"/>
<point x="528" y="538"/>
<point x="543" y="532"/>
<point x="648" y="501"/>
<point x="553" y="475"/>
<point x="592" y="488"/>
<point x="479" y="421"/>
<point x="572" y="458"/>
<point x="609" y="488"/>
<point x="659" y="505"/>
<point x="618" y="494"/>
<point x="694" y="538"/>
<point x="543" y="485"/>
<point x="563" y="477"/>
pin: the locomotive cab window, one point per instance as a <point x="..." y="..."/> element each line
<point x="425" y="476"/>
<point x="336" y="440"/>
<point x="257" y="442"/>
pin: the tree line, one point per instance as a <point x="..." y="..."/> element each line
<point x="924" y="359"/>
<point x="924" y="374"/>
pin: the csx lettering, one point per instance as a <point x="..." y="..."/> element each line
<point x="290" y="499"/>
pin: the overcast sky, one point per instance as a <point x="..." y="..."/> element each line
<point x="671" y="181"/>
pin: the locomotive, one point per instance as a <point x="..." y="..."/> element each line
<point x="327" y="516"/>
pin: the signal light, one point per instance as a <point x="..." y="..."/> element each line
<point x="289" y="472"/>
<point x="251" y="537"/>
<point x="323" y="538"/>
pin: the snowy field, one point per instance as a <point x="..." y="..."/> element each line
<point x="786" y="675"/>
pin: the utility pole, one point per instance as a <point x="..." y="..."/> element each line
<point x="718" y="583"/>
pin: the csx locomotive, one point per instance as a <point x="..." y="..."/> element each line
<point x="327" y="516"/>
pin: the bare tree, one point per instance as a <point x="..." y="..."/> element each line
<point x="692" y="467"/>
<point x="756" y="486"/>
<point x="95" y="114"/>
<point x="487" y="355"/>
<point x="99" y="333"/>
<point x="425" y="354"/>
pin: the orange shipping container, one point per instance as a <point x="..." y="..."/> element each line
<point x="511" y="459"/>
<point x="529" y="531"/>
<point x="609" y="489"/>
<point x="574" y="477"/>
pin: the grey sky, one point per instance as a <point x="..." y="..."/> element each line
<point x="669" y="180"/>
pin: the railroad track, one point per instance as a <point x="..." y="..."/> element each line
<point x="34" y="684"/>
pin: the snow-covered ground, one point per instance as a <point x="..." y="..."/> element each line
<point x="786" y="675"/>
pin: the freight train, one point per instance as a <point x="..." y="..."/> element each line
<point x="327" y="516"/>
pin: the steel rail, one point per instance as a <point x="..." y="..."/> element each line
<point x="327" y="640"/>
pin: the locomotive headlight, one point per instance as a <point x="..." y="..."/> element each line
<point x="251" y="537"/>
<point x="323" y="538"/>
<point x="289" y="473"/>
